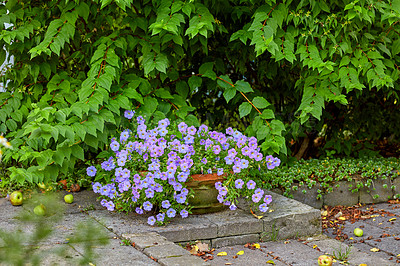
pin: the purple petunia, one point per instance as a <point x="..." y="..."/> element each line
<point x="114" y="145"/>
<point x="151" y="220"/>
<point x="171" y="213"/>
<point x="263" y="207"/>
<point x="239" y="183"/>
<point x="139" y="210"/>
<point x="91" y="171"/>
<point x="268" y="199"/>
<point x="184" y="213"/>
<point x="251" y="184"/>
<point x="160" y="217"/>
<point x="165" y="204"/>
<point x="129" y="114"/>
<point x="147" y="206"/>
<point x="96" y="187"/>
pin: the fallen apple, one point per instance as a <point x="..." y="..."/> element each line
<point x="325" y="260"/>
<point x="358" y="232"/>
<point x="69" y="198"/>
<point x="16" y="198"/>
<point x="39" y="210"/>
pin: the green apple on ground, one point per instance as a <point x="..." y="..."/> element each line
<point x="358" y="232"/>
<point x="40" y="210"/>
<point x="16" y="198"/>
<point x="69" y="198"/>
<point x="325" y="260"/>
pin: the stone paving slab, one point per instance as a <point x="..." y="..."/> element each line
<point x="116" y="254"/>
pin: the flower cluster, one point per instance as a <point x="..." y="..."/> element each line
<point x="148" y="168"/>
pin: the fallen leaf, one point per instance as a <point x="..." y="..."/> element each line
<point x="223" y="253"/>
<point x="342" y="218"/>
<point x="315" y="246"/>
<point x="324" y="213"/>
<point x="194" y="250"/>
<point x="202" y="247"/>
<point x="374" y="249"/>
<point x="363" y="264"/>
<point x="240" y="253"/>
<point x="228" y="263"/>
<point x="270" y="262"/>
<point x="392" y="219"/>
<point x="256" y="245"/>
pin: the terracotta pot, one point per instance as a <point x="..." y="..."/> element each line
<point x="205" y="193"/>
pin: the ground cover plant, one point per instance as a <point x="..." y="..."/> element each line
<point x="327" y="172"/>
<point x="280" y="71"/>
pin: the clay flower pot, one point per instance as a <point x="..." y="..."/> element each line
<point x="205" y="193"/>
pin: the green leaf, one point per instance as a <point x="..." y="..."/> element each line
<point x="229" y="93"/>
<point x="268" y="114"/>
<point x="78" y="152"/>
<point x="194" y="82"/>
<point x="244" y="109"/>
<point x="163" y="93"/>
<point x="262" y="132"/>
<point x="243" y="86"/>
<point x="396" y="46"/>
<point x="161" y="63"/>
<point x="260" y="102"/>
<point x="225" y="82"/>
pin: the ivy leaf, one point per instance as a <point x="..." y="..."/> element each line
<point x="244" y="109"/>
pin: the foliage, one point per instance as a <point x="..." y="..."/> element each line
<point x="148" y="169"/>
<point x="327" y="172"/>
<point x="254" y="64"/>
<point x="19" y="248"/>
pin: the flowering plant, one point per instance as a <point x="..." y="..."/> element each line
<point x="149" y="167"/>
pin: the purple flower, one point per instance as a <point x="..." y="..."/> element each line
<point x="184" y="213"/>
<point x="276" y="162"/>
<point x="96" y="187"/>
<point x="124" y="135"/>
<point x="244" y="163"/>
<point x="269" y="158"/>
<point x="165" y="204"/>
<point x="103" y="202"/>
<point x="160" y="217"/>
<point x="239" y="183"/>
<point x="251" y="184"/>
<point x="220" y="171"/>
<point x="236" y="168"/>
<point x="180" y="198"/>
<point x="151" y="220"/>
<point x="256" y="198"/>
<point x="147" y="205"/>
<point x="204" y="160"/>
<point x="232" y="207"/>
<point x="218" y="185"/>
<point x="223" y="191"/>
<point x="110" y="205"/>
<point x="163" y="123"/>
<point x="139" y="210"/>
<point x="191" y="130"/>
<point x="162" y="131"/>
<point x="91" y="171"/>
<point x="149" y="193"/>
<point x="263" y="207"/>
<point x="229" y="131"/>
<point x="129" y="114"/>
<point x="259" y="191"/>
<point x="114" y="145"/>
<point x="182" y="127"/>
<point x="268" y="199"/>
<point x="177" y="186"/>
<point x="171" y="213"/>
<point x="209" y="171"/>
<point x="216" y="149"/>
